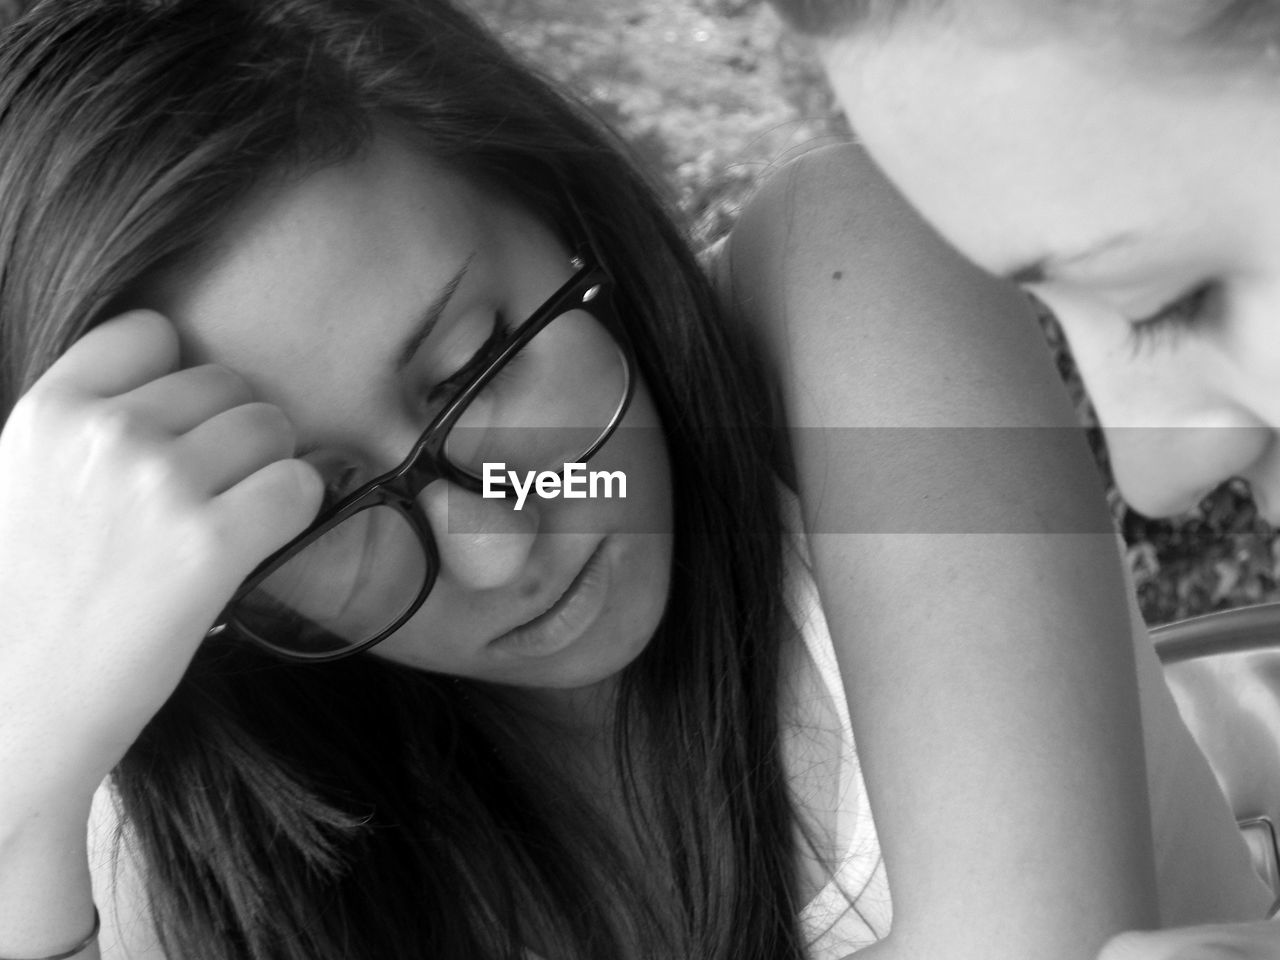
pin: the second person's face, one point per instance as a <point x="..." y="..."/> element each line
<point x="1140" y="201"/>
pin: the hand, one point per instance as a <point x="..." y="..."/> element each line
<point x="134" y="499"/>
<point x="1235" y="941"/>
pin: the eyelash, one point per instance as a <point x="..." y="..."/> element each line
<point x="1173" y="318"/>
<point x="484" y="353"/>
<point x="341" y="483"/>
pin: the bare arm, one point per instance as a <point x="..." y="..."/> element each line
<point x="134" y="497"/>
<point x="970" y="576"/>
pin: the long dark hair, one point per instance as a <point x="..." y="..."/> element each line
<point x="363" y="809"/>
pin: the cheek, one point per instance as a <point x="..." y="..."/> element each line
<point x="645" y="565"/>
<point x="1255" y="348"/>
<point x="638" y="448"/>
<point x="441" y="637"/>
<point x="1174" y="378"/>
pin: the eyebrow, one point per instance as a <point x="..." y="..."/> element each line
<point x="1039" y="270"/>
<point x="427" y="321"/>
<point x="422" y="328"/>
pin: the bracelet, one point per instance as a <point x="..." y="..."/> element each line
<point x="83" y="944"/>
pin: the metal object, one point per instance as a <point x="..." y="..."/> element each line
<point x="1224" y="671"/>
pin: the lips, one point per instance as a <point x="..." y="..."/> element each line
<point x="568" y="618"/>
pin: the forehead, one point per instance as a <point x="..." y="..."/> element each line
<point x="298" y="242"/>
<point x="317" y="281"/>
<point x="1014" y="139"/>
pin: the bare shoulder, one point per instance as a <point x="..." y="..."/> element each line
<point x="831" y="191"/>
<point x="127" y="931"/>
<point x="845" y="284"/>
<point x="826" y="220"/>
<point x="870" y="319"/>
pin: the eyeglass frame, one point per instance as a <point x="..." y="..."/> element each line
<point x="592" y="285"/>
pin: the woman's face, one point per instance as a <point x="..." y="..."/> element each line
<point x="1139" y="199"/>
<point x="346" y="298"/>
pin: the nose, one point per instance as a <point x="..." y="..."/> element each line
<point x="483" y="543"/>
<point x="1172" y="435"/>
<point x="1174" y="427"/>
<point x="1166" y="469"/>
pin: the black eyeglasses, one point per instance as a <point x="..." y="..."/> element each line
<point x="548" y="393"/>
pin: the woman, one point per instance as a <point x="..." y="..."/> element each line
<point x="251" y="251"/>
<point x="1115" y="158"/>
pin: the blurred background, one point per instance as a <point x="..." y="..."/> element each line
<point x="713" y="94"/>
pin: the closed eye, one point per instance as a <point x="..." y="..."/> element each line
<point x="1175" y="317"/>
<point x="444" y="389"/>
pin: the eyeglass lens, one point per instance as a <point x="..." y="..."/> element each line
<point x="344" y="587"/>
<point x="551" y="402"/>
<point x="548" y="405"/>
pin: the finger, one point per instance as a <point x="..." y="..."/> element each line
<point x="183" y="400"/>
<point x="118" y="355"/>
<point x="267" y="509"/>
<point x="224" y="450"/>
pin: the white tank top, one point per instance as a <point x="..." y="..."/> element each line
<point x="854" y="908"/>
